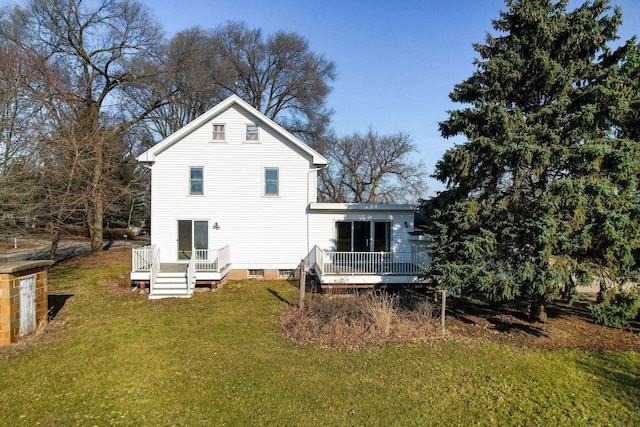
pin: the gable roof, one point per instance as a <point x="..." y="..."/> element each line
<point x="150" y="155"/>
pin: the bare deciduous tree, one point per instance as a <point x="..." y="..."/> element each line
<point x="278" y="75"/>
<point x="108" y="50"/>
<point x="371" y="168"/>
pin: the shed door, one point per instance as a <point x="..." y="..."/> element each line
<point x="27" y="305"/>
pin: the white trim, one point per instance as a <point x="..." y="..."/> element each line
<point x="378" y="207"/>
<point x="150" y="155"/>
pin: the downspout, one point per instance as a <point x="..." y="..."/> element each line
<point x="309" y="205"/>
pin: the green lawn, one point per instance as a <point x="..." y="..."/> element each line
<point x="218" y="359"/>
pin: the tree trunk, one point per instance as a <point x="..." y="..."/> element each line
<point x="55" y="239"/>
<point x="96" y="209"/>
<point x="95" y="224"/>
<point x="537" y="312"/>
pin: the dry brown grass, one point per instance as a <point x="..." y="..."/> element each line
<point x="362" y="321"/>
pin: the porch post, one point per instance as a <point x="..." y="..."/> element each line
<point x="303" y="277"/>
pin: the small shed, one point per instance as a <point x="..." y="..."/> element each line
<point x="23" y="298"/>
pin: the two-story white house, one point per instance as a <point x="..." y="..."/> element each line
<point x="234" y="195"/>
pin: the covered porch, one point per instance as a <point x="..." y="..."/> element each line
<point x="367" y="269"/>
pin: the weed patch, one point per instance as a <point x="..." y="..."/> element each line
<point x="361" y="321"/>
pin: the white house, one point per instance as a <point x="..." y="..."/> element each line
<point x="234" y="195"/>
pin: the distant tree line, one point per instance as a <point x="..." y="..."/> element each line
<point x="86" y="85"/>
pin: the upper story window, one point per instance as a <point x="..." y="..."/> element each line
<point x="252" y="133"/>
<point x="196" y="180"/>
<point x="271" y="182"/>
<point x="218" y="132"/>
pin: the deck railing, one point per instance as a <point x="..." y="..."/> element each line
<point x="372" y="263"/>
<point x="142" y="258"/>
<point x="212" y="259"/>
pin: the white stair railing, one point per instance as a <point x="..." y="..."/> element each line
<point x="155" y="268"/>
<point x="191" y="278"/>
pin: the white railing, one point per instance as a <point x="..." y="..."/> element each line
<point x="373" y="263"/>
<point x="155" y="268"/>
<point x="191" y="278"/>
<point x="142" y="258"/>
<point x="315" y="260"/>
<point x="212" y="260"/>
<point x="224" y="257"/>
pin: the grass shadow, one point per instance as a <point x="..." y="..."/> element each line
<point x="277" y="295"/>
<point x="55" y="304"/>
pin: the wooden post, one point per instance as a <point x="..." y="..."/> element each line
<point x="303" y="277"/>
<point x="443" y="305"/>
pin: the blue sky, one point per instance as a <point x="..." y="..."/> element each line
<point x="396" y="61"/>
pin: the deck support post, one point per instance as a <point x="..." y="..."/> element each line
<point x="443" y="308"/>
<point x="303" y="278"/>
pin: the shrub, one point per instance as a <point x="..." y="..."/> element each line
<point x="616" y="311"/>
<point x="118" y="233"/>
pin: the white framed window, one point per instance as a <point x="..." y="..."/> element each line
<point x="217" y="132"/>
<point x="271" y="182"/>
<point x="285" y="273"/>
<point x="196" y="180"/>
<point x="256" y="272"/>
<point x="252" y="134"/>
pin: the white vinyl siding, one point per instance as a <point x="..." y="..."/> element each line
<point x="233" y="176"/>
<point x="322" y="227"/>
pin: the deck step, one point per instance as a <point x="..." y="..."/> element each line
<point x="170" y="285"/>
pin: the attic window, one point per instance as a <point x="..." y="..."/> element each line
<point x="218" y="132"/>
<point x="252" y="133"/>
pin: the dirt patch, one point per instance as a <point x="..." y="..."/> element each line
<point x="47" y="332"/>
<point x="568" y="327"/>
<point x="100" y="258"/>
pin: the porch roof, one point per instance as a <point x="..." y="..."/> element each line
<point x="377" y="207"/>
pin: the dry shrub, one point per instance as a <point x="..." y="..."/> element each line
<point x="118" y="285"/>
<point x="361" y="321"/>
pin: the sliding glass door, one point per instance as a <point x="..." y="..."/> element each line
<point x="192" y="235"/>
<point x="363" y="236"/>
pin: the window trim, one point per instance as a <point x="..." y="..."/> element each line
<point x="267" y="182"/>
<point x="246" y="133"/>
<point x="224" y="132"/>
<point x="191" y="181"/>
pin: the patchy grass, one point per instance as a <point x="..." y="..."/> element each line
<point x="220" y="359"/>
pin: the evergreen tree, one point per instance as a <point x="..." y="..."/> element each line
<point x="544" y="193"/>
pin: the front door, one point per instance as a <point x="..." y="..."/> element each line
<point x="192" y="235"/>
